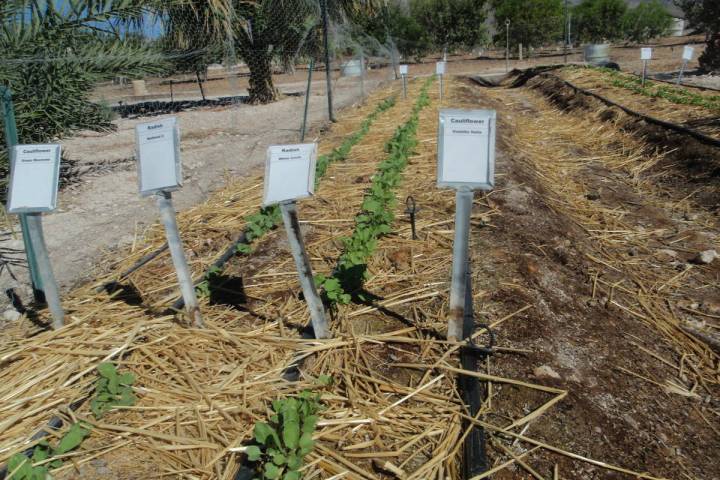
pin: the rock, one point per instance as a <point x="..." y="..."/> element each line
<point x="546" y="371"/>
<point x="665" y="255"/>
<point x="11" y="315"/>
<point x="705" y="257"/>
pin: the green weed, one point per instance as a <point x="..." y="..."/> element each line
<point x="112" y="389"/>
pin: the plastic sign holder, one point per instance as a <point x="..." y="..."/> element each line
<point x="404" y="74"/>
<point x="440" y="68"/>
<point x="158" y="156"/>
<point x="687" y="55"/>
<point x="290" y="176"/>
<point x="466" y="162"/>
<point x="34" y="177"/>
<point x="645" y="56"/>
<point x="159" y="173"/>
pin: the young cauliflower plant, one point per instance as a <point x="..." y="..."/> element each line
<point x="284" y="442"/>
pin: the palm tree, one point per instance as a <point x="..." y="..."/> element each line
<point x="53" y="57"/>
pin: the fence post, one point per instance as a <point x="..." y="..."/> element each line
<point x="307" y="100"/>
<point x="11" y="139"/>
<point x="328" y="70"/>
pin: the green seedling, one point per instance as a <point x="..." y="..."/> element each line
<point x="203" y="288"/>
<point x="283" y="443"/>
<point x="38" y="465"/>
<point x="112" y="389"/>
<point x="376" y="216"/>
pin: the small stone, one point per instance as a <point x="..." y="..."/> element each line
<point x="665" y="255"/>
<point x="546" y="371"/>
<point x="705" y="257"/>
<point x="11" y="315"/>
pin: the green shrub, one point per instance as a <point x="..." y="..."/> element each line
<point x="646" y="21"/>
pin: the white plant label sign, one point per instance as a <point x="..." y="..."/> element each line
<point x="403" y="69"/>
<point x="34" y="176"/>
<point x="158" y="154"/>
<point x="646" y="53"/>
<point x="289" y="172"/>
<point x="466" y="149"/>
<point x="688" y="53"/>
<point x="440" y="68"/>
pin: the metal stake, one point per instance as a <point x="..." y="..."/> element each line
<point x="682" y="70"/>
<point x="644" y="72"/>
<point x="302" y="262"/>
<point x="52" y="295"/>
<point x="441" y="86"/>
<point x="362" y="76"/>
<point x="411" y="209"/>
<point x="307" y="100"/>
<point x="404" y="78"/>
<point x="463" y="209"/>
<point x="167" y="214"/>
<point x="507" y="45"/>
<point x="11" y="139"/>
<point x="328" y="75"/>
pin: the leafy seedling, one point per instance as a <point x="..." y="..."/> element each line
<point x="112" y="390"/>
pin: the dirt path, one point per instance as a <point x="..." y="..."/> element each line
<point x="602" y="255"/>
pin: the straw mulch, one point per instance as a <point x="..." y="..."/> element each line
<point x="628" y="274"/>
<point x="702" y="119"/>
<point x="393" y="410"/>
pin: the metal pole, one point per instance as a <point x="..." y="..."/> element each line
<point x="404" y="77"/>
<point x="520" y="52"/>
<point x="644" y="72"/>
<point x="682" y="70"/>
<point x="507" y="46"/>
<point x="362" y="76"/>
<point x="307" y="100"/>
<point x="11" y="139"/>
<point x="463" y="209"/>
<point x="172" y="95"/>
<point x="441" y="86"/>
<point x="302" y="262"/>
<point x="328" y="74"/>
<point x="52" y="295"/>
<point x="565" y="31"/>
<point x="187" y="288"/>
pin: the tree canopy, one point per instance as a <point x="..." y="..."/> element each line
<point x="599" y="20"/>
<point x="531" y="23"/>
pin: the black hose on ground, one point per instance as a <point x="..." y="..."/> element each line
<point x="474" y="452"/>
<point x="701" y="137"/>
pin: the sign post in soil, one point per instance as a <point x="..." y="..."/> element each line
<point x="466" y="162"/>
<point x="404" y="74"/>
<point x="290" y="176"/>
<point x="686" y="57"/>
<point x="160" y="173"/>
<point x="645" y="56"/>
<point x="34" y="175"/>
<point x="440" y="70"/>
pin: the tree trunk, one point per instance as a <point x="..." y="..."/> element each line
<point x="710" y="59"/>
<point x="261" y="88"/>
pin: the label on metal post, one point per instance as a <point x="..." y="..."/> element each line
<point x="688" y="52"/>
<point x="289" y="172"/>
<point x="466" y="149"/>
<point x="158" y="156"/>
<point x="646" y="53"/>
<point x="403" y="69"/>
<point x="440" y="68"/>
<point x="34" y="175"/>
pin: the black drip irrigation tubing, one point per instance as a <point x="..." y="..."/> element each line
<point x="701" y="137"/>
